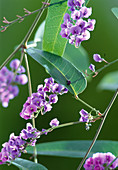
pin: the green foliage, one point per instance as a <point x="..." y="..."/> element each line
<point x="115" y="12"/>
<point x="52" y="40"/>
<point x="74" y="149"/>
<point x="60" y="69"/>
<point x="24" y="164"/>
<point x="109" y="81"/>
<point x="77" y="56"/>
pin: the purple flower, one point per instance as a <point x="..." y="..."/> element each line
<point x="67" y="17"/>
<point x="97" y="58"/>
<point x="47" y="107"/>
<point x="21" y="70"/>
<point x="22" y="79"/>
<point x="72" y="39"/>
<point x="49" y="80"/>
<point x="84" y="116"/>
<point x="43" y="130"/>
<point x="57" y="88"/>
<point x="76" y="15"/>
<point x="82" y="24"/>
<point x="31" y="108"/>
<point x="71" y="3"/>
<point x="86" y="12"/>
<point x="100" y="161"/>
<point x="53" y="98"/>
<point x="14" y="64"/>
<point x="47" y="87"/>
<point x="91" y="24"/>
<point x="26" y="115"/>
<point x="75" y="30"/>
<point x="37" y="102"/>
<point x="54" y="122"/>
<point x="65" y="33"/>
<point x="40" y="88"/>
<point x="92" y="67"/>
<point x="78" y="40"/>
<point x="79" y="3"/>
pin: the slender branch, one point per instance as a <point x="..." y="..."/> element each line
<point x="30" y="93"/>
<point x="99" y="70"/>
<point x="99" y="129"/>
<point x="93" y="109"/>
<point x="29" y="77"/>
<point x="35" y="22"/>
<point x="60" y="126"/>
<point x="22" y="17"/>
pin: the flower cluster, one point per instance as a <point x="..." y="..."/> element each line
<point x="17" y="144"/>
<point x="100" y="161"/>
<point x="76" y="28"/>
<point x="9" y="79"/>
<point x="42" y="100"/>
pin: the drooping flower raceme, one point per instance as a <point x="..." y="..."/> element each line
<point x="100" y="160"/>
<point x="42" y="100"/>
<point x="76" y="28"/>
<point x="9" y="81"/>
<point x="17" y="144"/>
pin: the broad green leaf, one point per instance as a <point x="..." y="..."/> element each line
<point x="109" y="81"/>
<point x="115" y="12"/>
<point x="52" y="40"/>
<point x="24" y="164"/>
<point x="75" y="149"/>
<point x="60" y="69"/>
<point x="77" y="56"/>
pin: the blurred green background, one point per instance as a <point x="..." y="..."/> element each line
<point x="104" y="40"/>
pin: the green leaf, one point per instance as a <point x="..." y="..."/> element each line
<point x="39" y="33"/>
<point x="109" y="81"/>
<point x="24" y="164"/>
<point x="60" y="69"/>
<point x="115" y="12"/>
<point x="52" y="40"/>
<point x="75" y="149"/>
<point x="77" y="56"/>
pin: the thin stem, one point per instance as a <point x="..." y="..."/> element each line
<point x="93" y="109"/>
<point x="60" y="126"/>
<point x="99" y="70"/>
<point x="22" y="17"/>
<point x="35" y="22"/>
<point x="30" y="93"/>
<point x="29" y="77"/>
<point x="99" y="129"/>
